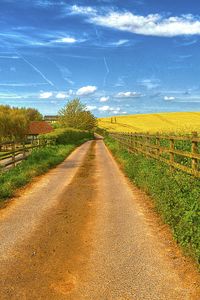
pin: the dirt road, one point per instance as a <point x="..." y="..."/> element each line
<point x="83" y="232"/>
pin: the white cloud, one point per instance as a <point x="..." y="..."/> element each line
<point x="62" y="95"/>
<point x="10" y="56"/>
<point x="70" y="92"/>
<point x="86" y="90"/>
<point x="10" y="96"/>
<point x="150" y="83"/>
<point x="91" y="107"/>
<point x="23" y="84"/>
<point x="69" y="81"/>
<point x="152" y="24"/>
<point x="188" y="42"/>
<point x="115" y="112"/>
<point x="47" y="3"/>
<point x="104" y="108"/>
<point x="116" y="109"/>
<point x="104" y="99"/>
<point x="66" y="40"/>
<point x="120" y="42"/>
<point x="120" y="81"/>
<point x="189" y="99"/>
<point x="46" y="95"/>
<point x="128" y="95"/>
<point x="108" y="108"/>
<point x="169" y="98"/>
<point x="85" y="10"/>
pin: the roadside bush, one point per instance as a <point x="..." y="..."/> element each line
<point x="176" y="195"/>
<point x="64" y="136"/>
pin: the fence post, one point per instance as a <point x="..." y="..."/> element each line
<point x="171" y="153"/>
<point x="131" y="141"/>
<point x="194" y="151"/>
<point x="13" y="154"/>
<point x="147" y="143"/>
<point x="136" y="142"/>
<point x="122" y="140"/>
<point x="127" y="141"/>
<point x="157" y="144"/>
<point x="24" y="150"/>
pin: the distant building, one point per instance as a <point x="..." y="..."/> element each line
<point x="51" y="119"/>
<point x="39" y="127"/>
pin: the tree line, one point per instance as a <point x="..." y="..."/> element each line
<point x="14" y="122"/>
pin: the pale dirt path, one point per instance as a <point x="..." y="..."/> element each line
<point x="129" y="260"/>
<point x="20" y="218"/>
<point x="97" y="242"/>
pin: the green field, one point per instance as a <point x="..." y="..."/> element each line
<point x="180" y="122"/>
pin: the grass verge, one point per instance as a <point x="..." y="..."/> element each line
<point x="176" y="195"/>
<point x="39" y="162"/>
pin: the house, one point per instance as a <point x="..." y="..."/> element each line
<point x="51" y="119"/>
<point x="38" y="127"/>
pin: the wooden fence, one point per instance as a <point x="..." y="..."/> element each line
<point x="12" y="153"/>
<point x="179" y="152"/>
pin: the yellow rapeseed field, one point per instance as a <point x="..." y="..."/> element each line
<point x="180" y="122"/>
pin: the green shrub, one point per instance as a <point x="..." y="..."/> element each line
<point x="65" y="136"/>
<point x="176" y="194"/>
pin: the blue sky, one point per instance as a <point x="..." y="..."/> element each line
<point x="118" y="57"/>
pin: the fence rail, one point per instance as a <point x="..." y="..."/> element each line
<point x="12" y="153"/>
<point x="179" y="152"/>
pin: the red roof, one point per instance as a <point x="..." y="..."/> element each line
<point x="39" y="127"/>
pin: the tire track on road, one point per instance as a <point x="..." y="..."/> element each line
<point x="99" y="241"/>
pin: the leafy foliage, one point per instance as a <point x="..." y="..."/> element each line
<point x="14" y="122"/>
<point x="67" y="135"/>
<point x="33" y="114"/>
<point x="75" y="115"/>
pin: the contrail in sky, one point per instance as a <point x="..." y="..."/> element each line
<point x="107" y="70"/>
<point x="30" y="64"/>
<point x="23" y="84"/>
<point x="97" y="34"/>
<point x="37" y="70"/>
<point x="104" y="59"/>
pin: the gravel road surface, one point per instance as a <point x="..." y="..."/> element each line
<point x="83" y="232"/>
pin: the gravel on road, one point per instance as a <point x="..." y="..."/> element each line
<point x="84" y="232"/>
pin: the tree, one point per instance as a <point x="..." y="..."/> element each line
<point x="19" y="124"/>
<point x="75" y="115"/>
<point x="88" y="120"/>
<point x="14" y="121"/>
<point x="33" y="114"/>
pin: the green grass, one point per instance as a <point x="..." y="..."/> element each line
<point x="67" y="135"/>
<point x="176" y="195"/>
<point x="39" y="162"/>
